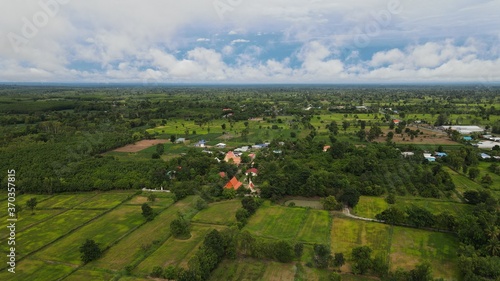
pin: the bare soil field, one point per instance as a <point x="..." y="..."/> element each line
<point x="140" y="145"/>
<point x="428" y="137"/>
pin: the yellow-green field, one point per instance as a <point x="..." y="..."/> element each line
<point x="219" y="213"/>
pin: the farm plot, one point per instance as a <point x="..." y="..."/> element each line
<point x="219" y="213"/>
<point x="347" y="234"/>
<point x="174" y="251"/>
<point x="64" y="201"/>
<point x="130" y="249"/>
<point x="105" y="200"/>
<point x="316" y="228"/>
<point x="84" y="274"/>
<point x="105" y="230"/>
<point x="30" y="269"/>
<point x="315" y="204"/>
<point x="163" y="199"/>
<point x="25" y="219"/>
<point x="413" y="246"/>
<point x="140" y="145"/>
<point x="34" y="238"/>
<point x="243" y="269"/>
<point x="368" y="207"/>
<point x="277" y="222"/>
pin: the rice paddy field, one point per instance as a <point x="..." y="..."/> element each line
<point x="114" y="221"/>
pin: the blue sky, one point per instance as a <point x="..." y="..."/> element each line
<point x="242" y="41"/>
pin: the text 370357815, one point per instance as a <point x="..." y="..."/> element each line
<point x="11" y="219"/>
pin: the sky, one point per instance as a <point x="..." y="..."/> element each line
<point x="242" y="41"/>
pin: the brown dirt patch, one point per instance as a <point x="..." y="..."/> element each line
<point x="140" y="145"/>
<point x="429" y="137"/>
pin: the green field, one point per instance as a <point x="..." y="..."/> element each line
<point x="219" y="213"/>
<point x="174" y="251"/>
<point x="130" y="249"/>
<point x="368" y="207"/>
<point x="412" y="246"/>
<point x="105" y="230"/>
<point x="64" y="201"/>
<point x="33" y="269"/>
<point x="316" y="228"/>
<point x="315" y="204"/>
<point x="347" y="234"/>
<point x="105" y="200"/>
<point x="34" y="238"/>
<point x="277" y="222"/>
<point x="85" y="274"/>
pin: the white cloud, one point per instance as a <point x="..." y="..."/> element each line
<point x="128" y="40"/>
<point x="239" y="41"/>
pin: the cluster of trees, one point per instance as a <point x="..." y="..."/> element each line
<point x="418" y="217"/>
<point x="249" y="207"/>
<point x="346" y="172"/>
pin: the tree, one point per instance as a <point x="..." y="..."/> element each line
<point x="361" y="258"/>
<point x="330" y="203"/>
<point x="333" y="128"/>
<point x="350" y="197"/>
<point x="345" y="125"/>
<point x="180" y="227"/>
<point x="283" y="251"/>
<point x="473" y="173"/>
<point x="155" y="156"/>
<point x="361" y="134"/>
<point x="172" y="138"/>
<point x="201" y="204"/>
<point x="299" y="249"/>
<point x="157" y="272"/>
<point x="31" y="204"/>
<point x="160" y="148"/>
<point x="147" y="212"/>
<point x="392" y="215"/>
<point x="152" y="197"/>
<point x="390" y="199"/>
<point x="321" y="256"/>
<point x="223" y="126"/>
<point x="338" y="259"/>
<point x="486" y="180"/>
<point x="90" y="251"/>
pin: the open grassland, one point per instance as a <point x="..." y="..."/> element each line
<point x="348" y="233"/>
<point x="105" y="230"/>
<point x="85" y="274"/>
<point x="32" y="269"/>
<point x="277" y="222"/>
<point x="316" y="229"/>
<point x="483" y="167"/>
<point x="245" y="269"/>
<point x="134" y="247"/>
<point x="219" y="213"/>
<point x="36" y="237"/>
<point x="174" y="251"/>
<point x="106" y="200"/>
<point x="412" y="246"/>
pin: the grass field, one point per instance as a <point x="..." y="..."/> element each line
<point x="84" y="274"/>
<point x="316" y="228"/>
<point x="277" y="222"/>
<point x="65" y="201"/>
<point x="34" y="238"/>
<point x="219" y="213"/>
<point x="130" y="249"/>
<point x="25" y="219"/>
<point x="315" y="204"/>
<point x="105" y="200"/>
<point x="162" y="200"/>
<point x="368" y="207"/>
<point x="174" y="251"/>
<point x="105" y="230"/>
<point x="347" y="234"/>
<point x="32" y="269"/>
<point x="412" y="246"/>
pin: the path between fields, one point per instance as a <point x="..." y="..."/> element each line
<point x="347" y="212"/>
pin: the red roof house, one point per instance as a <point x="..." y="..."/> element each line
<point x="253" y="171"/>
<point x="234" y="183"/>
<point x="230" y="156"/>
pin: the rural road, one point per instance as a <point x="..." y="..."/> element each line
<point x="347" y="212"/>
